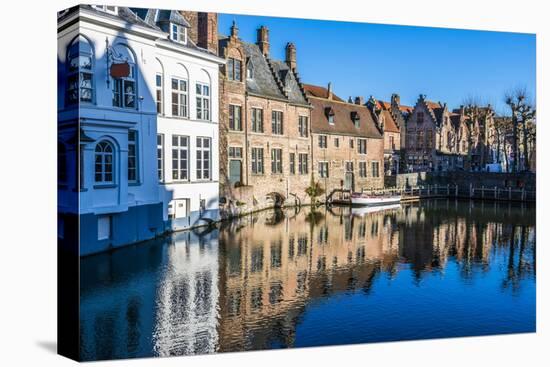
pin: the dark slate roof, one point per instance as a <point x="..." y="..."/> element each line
<point x="172" y="16"/>
<point x="124" y="13"/>
<point x="289" y="82"/>
<point x="264" y="82"/>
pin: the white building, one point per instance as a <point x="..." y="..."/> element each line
<point x="186" y="92"/>
<point x="110" y="63"/>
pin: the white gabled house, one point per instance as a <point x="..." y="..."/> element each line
<point x="130" y="167"/>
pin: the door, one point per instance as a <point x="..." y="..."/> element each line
<point x="235" y="171"/>
<point x="348" y="181"/>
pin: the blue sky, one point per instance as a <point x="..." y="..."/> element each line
<point x="447" y="65"/>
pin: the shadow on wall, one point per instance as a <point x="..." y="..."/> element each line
<point x="108" y="157"/>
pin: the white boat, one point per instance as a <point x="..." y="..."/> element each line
<point x="374" y="200"/>
<point x="363" y="210"/>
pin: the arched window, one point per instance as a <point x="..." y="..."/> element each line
<point x="61" y="163"/>
<point x="124" y="88"/>
<point x="80" y="71"/>
<point x="104" y="158"/>
<point x="159" y="85"/>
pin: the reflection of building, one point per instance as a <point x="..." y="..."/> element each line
<point x="267" y="277"/>
<point x="187" y="298"/>
<point x="107" y="119"/>
<point x="347" y="142"/>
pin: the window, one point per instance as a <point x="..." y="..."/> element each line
<point x="158" y="84"/>
<point x="302" y="163"/>
<point x="323" y="169"/>
<point x="362" y="169"/>
<point x="250" y="71"/>
<point x="420" y="139"/>
<point x="235" y="152"/>
<point x="303" y="128"/>
<point x="203" y="102"/>
<point x="419" y="117"/>
<point x="349" y="166"/>
<point x="277" y="122"/>
<point x="257" y="120"/>
<point x="124" y="88"/>
<point x="235" y="122"/>
<point x="107" y="8"/>
<point x="160" y="157"/>
<point x="80" y="71"/>
<point x="180" y="157"/>
<point x="292" y="163"/>
<point x="351" y="143"/>
<point x="203" y="158"/>
<point x="276" y="161"/>
<point x="132" y="156"/>
<point x="323" y="141"/>
<point x="331" y="119"/>
<point x="258" y="161"/>
<point x="234" y="69"/>
<point x="392" y="142"/>
<point x="336" y="142"/>
<point x="178" y="33"/>
<point x="104" y="227"/>
<point x="429" y="139"/>
<point x="362" y="146"/>
<point x="179" y="97"/>
<point x="104" y="158"/>
<point x="375" y="169"/>
<point x="61" y="163"/>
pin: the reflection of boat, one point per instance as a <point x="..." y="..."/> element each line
<point x="372" y="200"/>
<point x="362" y="210"/>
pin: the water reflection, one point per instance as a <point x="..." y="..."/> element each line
<point x="302" y="278"/>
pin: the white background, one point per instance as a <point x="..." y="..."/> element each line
<point x="28" y="182"/>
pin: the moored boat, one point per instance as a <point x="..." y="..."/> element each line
<point x="374" y="200"/>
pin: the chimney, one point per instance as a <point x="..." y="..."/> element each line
<point x="291" y="55"/>
<point x="395" y="99"/>
<point x="360" y="100"/>
<point x="234" y="30"/>
<point x="203" y="29"/>
<point x="263" y="40"/>
<point x="329" y="89"/>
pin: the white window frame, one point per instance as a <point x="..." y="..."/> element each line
<point x="178" y="33"/>
<point x="80" y="73"/>
<point x="180" y="165"/>
<point x="135" y="144"/>
<point x="107" y="9"/>
<point x="303" y="163"/>
<point x="204" y="155"/>
<point x="160" y="157"/>
<point x="159" y="93"/>
<point x="103" y="164"/>
<point x="277" y="125"/>
<point x="377" y="170"/>
<point x="203" y="95"/>
<point x="276" y="161"/>
<point x="361" y="146"/>
<point x="363" y="169"/>
<point x="232" y="108"/>
<point x="323" y="169"/>
<point x="182" y="109"/>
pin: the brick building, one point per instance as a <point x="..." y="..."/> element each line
<point x="347" y="142"/>
<point x="265" y="144"/>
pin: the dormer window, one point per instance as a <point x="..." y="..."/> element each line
<point x="107" y="9"/>
<point x="178" y="33"/>
<point x="355" y="118"/>
<point x="249" y="70"/>
<point x="329" y="112"/>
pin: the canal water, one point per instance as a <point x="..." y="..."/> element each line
<point x="297" y="278"/>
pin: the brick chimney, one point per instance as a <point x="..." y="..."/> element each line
<point x="329" y="89"/>
<point x="263" y="40"/>
<point x="291" y="55"/>
<point x="360" y="100"/>
<point x="203" y="30"/>
<point x="395" y="99"/>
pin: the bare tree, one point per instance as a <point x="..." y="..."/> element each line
<point x="522" y="113"/>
